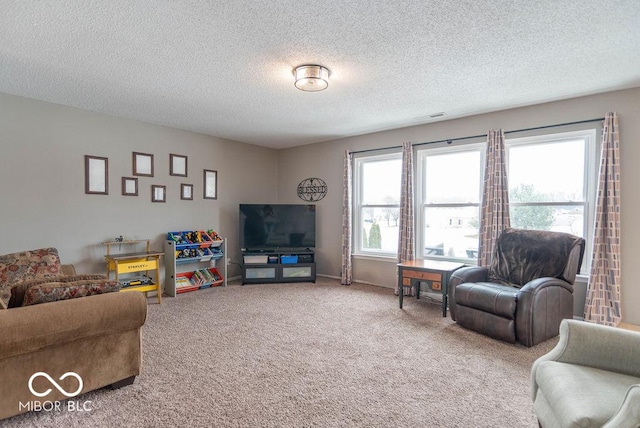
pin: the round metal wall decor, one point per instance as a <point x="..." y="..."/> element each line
<point x="312" y="189"/>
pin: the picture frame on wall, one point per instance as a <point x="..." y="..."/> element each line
<point x="210" y="184"/>
<point x="96" y="175"/>
<point x="129" y="186"/>
<point x="158" y="193"/>
<point x="177" y="165"/>
<point x="143" y="164"/>
<point x="186" y="192"/>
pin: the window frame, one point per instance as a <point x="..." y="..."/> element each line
<point x="591" y="171"/>
<point x="420" y="191"/>
<point x="590" y="177"/>
<point x="358" y="190"/>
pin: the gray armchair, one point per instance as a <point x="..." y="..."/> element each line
<point x="590" y="379"/>
<point x="525" y="293"/>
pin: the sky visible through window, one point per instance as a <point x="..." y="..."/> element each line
<point x="453" y="178"/>
<point x="382" y="182"/>
<point x="555" y="169"/>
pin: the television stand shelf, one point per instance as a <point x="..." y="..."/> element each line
<point x="278" y="266"/>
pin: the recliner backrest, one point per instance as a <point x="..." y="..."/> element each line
<point x="521" y="256"/>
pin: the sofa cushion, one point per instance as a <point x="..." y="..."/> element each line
<point x="18" y="291"/>
<point x="54" y="291"/>
<point x="26" y="266"/>
<point x="579" y="396"/>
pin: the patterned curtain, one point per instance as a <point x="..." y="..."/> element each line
<point x="406" y="232"/>
<point x="494" y="214"/>
<point x="603" y="295"/>
<point x="346" y="273"/>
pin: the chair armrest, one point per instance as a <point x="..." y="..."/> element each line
<point x="470" y="274"/>
<point x="628" y="415"/>
<point x="541" y="283"/>
<point x="592" y="345"/>
<point x="542" y="304"/>
<point x="460" y="276"/>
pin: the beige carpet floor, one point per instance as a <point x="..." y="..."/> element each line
<point x="310" y="355"/>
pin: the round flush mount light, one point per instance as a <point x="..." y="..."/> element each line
<point x="311" y="78"/>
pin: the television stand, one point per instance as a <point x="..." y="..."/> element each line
<point x="266" y="266"/>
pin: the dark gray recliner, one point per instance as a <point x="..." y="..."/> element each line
<point x="525" y="293"/>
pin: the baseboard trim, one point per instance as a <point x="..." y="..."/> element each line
<point x="624" y="325"/>
<point x="355" y="280"/>
<point x="628" y="326"/>
<point x="328" y="276"/>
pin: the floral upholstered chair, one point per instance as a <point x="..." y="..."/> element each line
<point x="37" y="276"/>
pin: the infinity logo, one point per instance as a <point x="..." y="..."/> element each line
<point x="54" y="383"/>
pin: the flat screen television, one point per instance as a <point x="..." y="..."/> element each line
<point x="269" y="227"/>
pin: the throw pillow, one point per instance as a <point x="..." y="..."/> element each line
<point x="18" y="291"/>
<point x="54" y="291"/>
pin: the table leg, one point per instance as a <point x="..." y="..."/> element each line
<point x="400" y="288"/>
<point x="445" y="293"/>
<point x="416" y="289"/>
<point x="159" y="286"/>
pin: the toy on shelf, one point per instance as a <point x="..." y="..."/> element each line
<point x="141" y="280"/>
<point x="214" y="235"/>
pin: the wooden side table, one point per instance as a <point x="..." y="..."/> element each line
<point x="435" y="273"/>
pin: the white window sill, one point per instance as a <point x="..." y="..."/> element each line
<point x="582" y="278"/>
<point x="376" y="258"/>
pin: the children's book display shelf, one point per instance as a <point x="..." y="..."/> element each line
<point x="191" y="259"/>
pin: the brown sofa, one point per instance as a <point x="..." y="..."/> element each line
<point x="97" y="337"/>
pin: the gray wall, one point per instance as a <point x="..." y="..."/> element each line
<point x="42" y="180"/>
<point x="42" y="199"/>
<point x="324" y="160"/>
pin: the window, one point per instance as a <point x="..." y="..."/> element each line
<point x="377" y="204"/>
<point x="552" y="182"/>
<point x="448" y="196"/>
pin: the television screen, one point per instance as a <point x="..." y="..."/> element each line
<point x="277" y="226"/>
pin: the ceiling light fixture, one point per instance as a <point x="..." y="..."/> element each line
<point x="311" y="78"/>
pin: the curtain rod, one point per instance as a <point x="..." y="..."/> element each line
<point x="451" y="140"/>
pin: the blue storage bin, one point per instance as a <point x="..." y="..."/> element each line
<point x="288" y="259"/>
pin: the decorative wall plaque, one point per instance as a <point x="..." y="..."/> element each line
<point x="312" y="189"/>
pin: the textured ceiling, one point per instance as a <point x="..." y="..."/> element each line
<point x="224" y="68"/>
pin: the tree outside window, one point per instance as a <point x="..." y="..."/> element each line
<point x="537" y="217"/>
